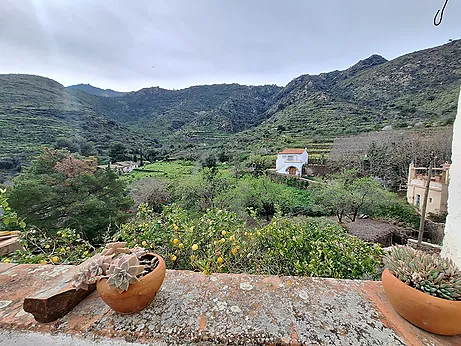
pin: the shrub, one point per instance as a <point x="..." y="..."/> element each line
<point x="218" y="241"/>
<point x="66" y="247"/>
<point x="393" y="208"/>
<point x="264" y="196"/>
<point x="151" y="191"/>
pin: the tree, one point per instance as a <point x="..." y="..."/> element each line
<point x="151" y="191"/>
<point x="259" y="164"/>
<point x="60" y="190"/>
<point x="117" y="152"/>
<point x="347" y="195"/>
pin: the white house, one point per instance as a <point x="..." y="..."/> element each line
<point x="291" y="161"/>
<point x="121" y="167"/>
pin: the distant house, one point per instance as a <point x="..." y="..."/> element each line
<point x="122" y="167"/>
<point x="291" y="161"/>
<point x="438" y="188"/>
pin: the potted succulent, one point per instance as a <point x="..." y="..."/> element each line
<point x="126" y="279"/>
<point x="424" y="289"/>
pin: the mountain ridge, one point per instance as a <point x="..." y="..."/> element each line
<point x="90" y="89"/>
<point x="416" y="88"/>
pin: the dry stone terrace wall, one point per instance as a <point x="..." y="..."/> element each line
<point x="219" y="309"/>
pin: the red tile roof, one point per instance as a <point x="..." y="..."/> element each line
<point x="292" y="151"/>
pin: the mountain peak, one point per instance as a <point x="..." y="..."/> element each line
<point x="92" y="90"/>
<point x="364" y="64"/>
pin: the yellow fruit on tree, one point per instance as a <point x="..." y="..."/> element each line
<point x="220" y="260"/>
<point x="144" y="243"/>
<point x="55" y="259"/>
<point x="234" y="250"/>
<point x="175" y="241"/>
<point x="181" y="245"/>
<point x="194" y="247"/>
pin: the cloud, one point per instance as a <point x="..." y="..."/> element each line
<point x="127" y="45"/>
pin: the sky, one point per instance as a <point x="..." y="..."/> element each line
<point x="127" y="45"/>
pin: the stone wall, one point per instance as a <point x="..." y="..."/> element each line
<point x="452" y="240"/>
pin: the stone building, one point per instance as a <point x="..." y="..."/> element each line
<point x="438" y="188"/>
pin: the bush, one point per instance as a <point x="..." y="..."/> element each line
<point x="218" y="241"/>
<point x="67" y="247"/>
<point x="393" y="208"/>
<point x="264" y="196"/>
<point x="151" y="191"/>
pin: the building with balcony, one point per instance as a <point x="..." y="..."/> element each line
<point x="438" y="188"/>
<point x="291" y="161"/>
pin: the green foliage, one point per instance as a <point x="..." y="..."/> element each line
<point x="218" y="241"/>
<point x="316" y="247"/>
<point x="65" y="247"/>
<point x="118" y="152"/>
<point x="60" y="190"/>
<point x="264" y="196"/>
<point x="431" y="274"/>
<point x="259" y="164"/>
<point x="346" y="194"/>
<point x="199" y="191"/>
<point x="9" y="220"/>
<point x="392" y="207"/>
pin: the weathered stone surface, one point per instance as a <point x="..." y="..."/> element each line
<point x="221" y="309"/>
<point x="58" y="297"/>
<point x="43" y="290"/>
<point x="10" y="245"/>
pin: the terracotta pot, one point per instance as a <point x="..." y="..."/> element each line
<point x="435" y="315"/>
<point x="139" y="294"/>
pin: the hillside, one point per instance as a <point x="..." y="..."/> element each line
<point x="419" y="89"/>
<point x="36" y="111"/>
<point x="415" y="90"/>
<point x="89" y="89"/>
<point x="195" y="114"/>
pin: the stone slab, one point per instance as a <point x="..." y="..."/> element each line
<point x="221" y="309"/>
<point x="10" y="245"/>
<point x="43" y="290"/>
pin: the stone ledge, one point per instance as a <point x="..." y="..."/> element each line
<point x="219" y="309"/>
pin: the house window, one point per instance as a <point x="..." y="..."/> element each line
<point x="418" y="200"/>
<point x="430" y="199"/>
<point x="290" y="158"/>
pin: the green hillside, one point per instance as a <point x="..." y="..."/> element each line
<point x="417" y="87"/>
<point x="35" y="111"/>
<point x="89" y="89"/>
<point x="416" y="90"/>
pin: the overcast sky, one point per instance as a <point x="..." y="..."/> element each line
<point x="128" y="45"/>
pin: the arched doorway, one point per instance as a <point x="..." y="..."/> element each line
<point x="292" y="170"/>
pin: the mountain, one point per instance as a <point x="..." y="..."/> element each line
<point x="418" y="89"/>
<point x="36" y="111"/>
<point x="195" y="114"/>
<point x="89" y="89"/>
<point x="415" y="90"/>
